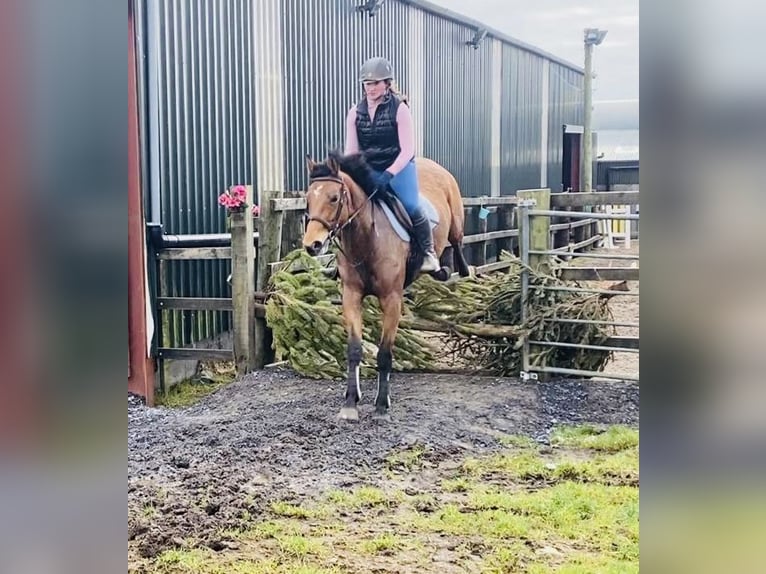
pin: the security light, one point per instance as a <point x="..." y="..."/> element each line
<point x="477" y="38"/>
<point x="371" y="6"/>
<point x="594" y="36"/>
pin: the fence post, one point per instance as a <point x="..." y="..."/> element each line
<point x="539" y="227"/>
<point x="292" y="226"/>
<point x="523" y="220"/>
<point x="269" y="240"/>
<point x="504" y="223"/>
<point x="243" y="287"/>
<point x="481" y="258"/>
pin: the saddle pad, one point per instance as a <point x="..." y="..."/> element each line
<point x="428" y="209"/>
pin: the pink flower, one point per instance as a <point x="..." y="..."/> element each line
<point x="239" y="192"/>
<point x="256" y="210"/>
<point x="234" y="198"/>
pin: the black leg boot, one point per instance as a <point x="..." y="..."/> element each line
<point x="421" y="229"/>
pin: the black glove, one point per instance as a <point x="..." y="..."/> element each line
<point x="383" y="179"/>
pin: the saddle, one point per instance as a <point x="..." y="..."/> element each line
<point x="397" y="215"/>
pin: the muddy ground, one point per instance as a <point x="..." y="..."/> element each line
<point x="197" y="472"/>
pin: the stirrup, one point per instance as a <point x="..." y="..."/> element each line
<point x="430" y="262"/>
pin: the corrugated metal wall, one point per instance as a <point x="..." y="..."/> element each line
<point x="520" y="120"/>
<point x="205" y="109"/>
<point x="610" y="173"/>
<point x="233" y="83"/>
<point x="457" y="104"/>
<point x="203" y="136"/>
<point x="325" y="43"/>
<point x="565" y="102"/>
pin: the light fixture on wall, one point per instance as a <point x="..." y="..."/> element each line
<point x="371" y="6"/>
<point x="477" y="38"/>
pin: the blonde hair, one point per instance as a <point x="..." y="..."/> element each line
<point x="395" y="90"/>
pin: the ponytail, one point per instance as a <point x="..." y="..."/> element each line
<point x="394" y="89"/>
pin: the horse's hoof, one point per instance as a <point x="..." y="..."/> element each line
<point x="441" y="274"/>
<point x="381" y="417"/>
<point x="349" y="414"/>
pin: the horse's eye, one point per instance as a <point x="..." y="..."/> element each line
<point x="334" y="199"/>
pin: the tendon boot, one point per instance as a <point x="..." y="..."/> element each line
<point x="421" y="229"/>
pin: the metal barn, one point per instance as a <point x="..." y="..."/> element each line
<point x="239" y="91"/>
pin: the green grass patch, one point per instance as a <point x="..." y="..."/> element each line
<point x="572" y="509"/>
<point x="408" y="459"/>
<point x="620" y="468"/>
<point x="604" y="518"/>
<point x="188" y="392"/>
<point x="289" y="510"/>
<point x="517" y="441"/>
<point x="274" y="529"/>
<point x="613" y="439"/>
<point x="510" y="557"/>
<point x="182" y="561"/>
<point x="456" y="520"/>
<point x="587" y="564"/>
<point x="299" y="546"/>
<point x="386" y="543"/>
<point x="359" y="498"/>
<point x="460" y="484"/>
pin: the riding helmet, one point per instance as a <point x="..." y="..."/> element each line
<point x="376" y="69"/>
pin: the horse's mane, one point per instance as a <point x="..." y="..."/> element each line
<point x="354" y="165"/>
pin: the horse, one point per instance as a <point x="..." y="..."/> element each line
<point x="343" y="205"/>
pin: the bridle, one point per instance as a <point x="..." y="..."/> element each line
<point x="334" y="227"/>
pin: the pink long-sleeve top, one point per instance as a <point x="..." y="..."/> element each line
<point x="405" y="129"/>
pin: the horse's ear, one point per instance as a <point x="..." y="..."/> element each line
<point x="310" y="163"/>
<point x="332" y="163"/>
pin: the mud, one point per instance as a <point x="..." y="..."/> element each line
<point x="194" y="473"/>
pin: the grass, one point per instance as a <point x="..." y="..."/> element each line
<point x="211" y="377"/>
<point x="407" y="459"/>
<point x="613" y="439"/>
<point x="360" y="498"/>
<point x="286" y="509"/>
<point x="299" y="546"/>
<point x="386" y="543"/>
<point x="569" y="509"/>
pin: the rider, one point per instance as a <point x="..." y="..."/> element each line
<point x="380" y="125"/>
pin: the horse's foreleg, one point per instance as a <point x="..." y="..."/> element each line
<point x="392" y="311"/>
<point x="352" y="314"/>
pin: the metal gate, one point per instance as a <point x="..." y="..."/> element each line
<point x="536" y="246"/>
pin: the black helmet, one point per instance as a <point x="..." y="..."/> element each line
<point x="376" y="69"/>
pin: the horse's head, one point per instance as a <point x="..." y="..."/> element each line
<point x="327" y="204"/>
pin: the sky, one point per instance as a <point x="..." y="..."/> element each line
<point x="556" y="26"/>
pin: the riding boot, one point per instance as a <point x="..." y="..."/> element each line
<point x="421" y="228"/>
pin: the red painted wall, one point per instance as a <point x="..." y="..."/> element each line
<point x="141" y="375"/>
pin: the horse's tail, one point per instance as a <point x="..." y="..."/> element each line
<point x="457" y="227"/>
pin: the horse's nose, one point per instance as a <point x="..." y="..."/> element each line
<point x="314" y="248"/>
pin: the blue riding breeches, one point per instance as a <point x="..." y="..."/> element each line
<point x="405" y="186"/>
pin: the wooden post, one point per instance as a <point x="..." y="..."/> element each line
<point x="539" y="233"/>
<point x="504" y="222"/>
<point x="243" y="287"/>
<point x="481" y="258"/>
<point x="292" y="226"/>
<point x="269" y="240"/>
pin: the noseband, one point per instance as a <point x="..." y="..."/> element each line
<point x="334" y="227"/>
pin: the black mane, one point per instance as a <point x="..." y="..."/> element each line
<point x="354" y="165"/>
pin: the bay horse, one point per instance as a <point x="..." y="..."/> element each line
<point x="373" y="259"/>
